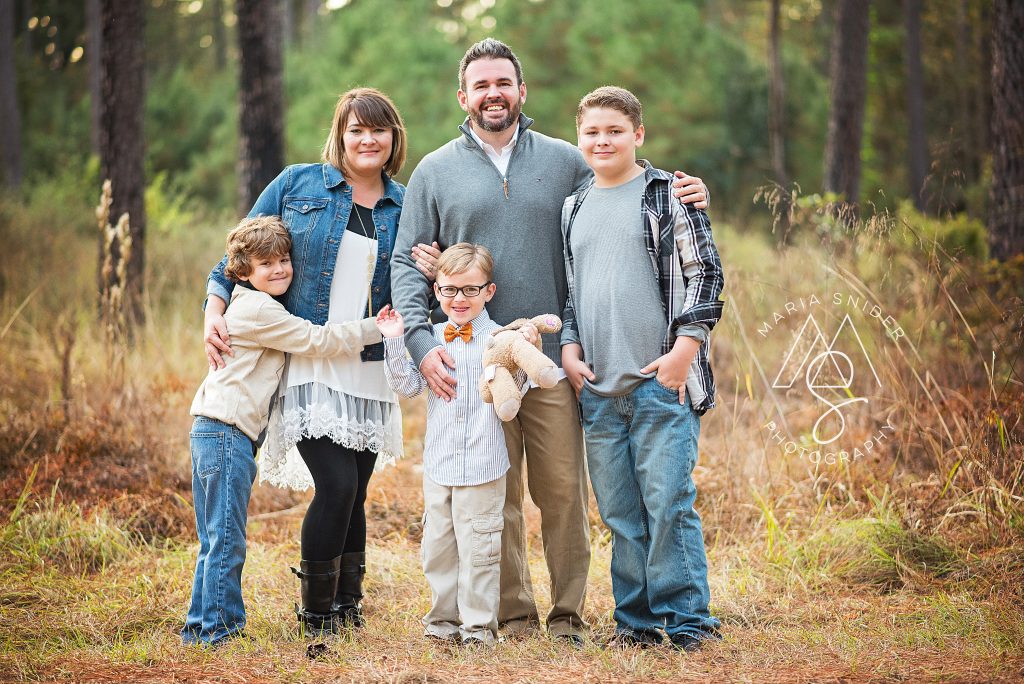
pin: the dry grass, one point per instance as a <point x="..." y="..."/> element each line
<point x="901" y="565"/>
<point x="785" y="621"/>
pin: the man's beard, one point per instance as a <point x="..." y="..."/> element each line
<point x="477" y="116"/>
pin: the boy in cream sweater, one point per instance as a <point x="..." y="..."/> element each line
<point x="232" y="408"/>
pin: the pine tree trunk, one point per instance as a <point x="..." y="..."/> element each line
<point x="1006" y="206"/>
<point x="848" y="70"/>
<point x="969" y="147"/>
<point x="10" y="117"/>
<point x="261" y="134"/>
<point x="121" y="136"/>
<point x="917" y="140"/>
<point x="777" y="120"/>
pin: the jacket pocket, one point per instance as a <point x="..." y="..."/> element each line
<point x="207" y="452"/>
<point x="303" y="213"/>
<point x="487" y="539"/>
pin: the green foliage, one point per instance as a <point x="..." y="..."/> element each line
<point x="702" y="77"/>
<point x="877" y="550"/>
<point x="406" y="56"/>
<point x="703" y="84"/>
<point x="959" y="235"/>
<point x="192" y="135"/>
<point x="166" y="209"/>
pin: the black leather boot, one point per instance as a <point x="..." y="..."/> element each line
<point x="350" y="590"/>
<point x="319" y="582"/>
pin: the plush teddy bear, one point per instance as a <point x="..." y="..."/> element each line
<point x="508" y="351"/>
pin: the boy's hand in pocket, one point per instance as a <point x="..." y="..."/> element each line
<point x="576" y="369"/>
<point x="674" y="366"/>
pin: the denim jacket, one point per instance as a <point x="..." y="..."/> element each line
<point x="315" y="203"/>
<point x="688" y="269"/>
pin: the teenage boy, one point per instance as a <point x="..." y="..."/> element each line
<point x="643" y="296"/>
<point x="232" y="408"/>
<point x="502" y="184"/>
<point x="464" y="454"/>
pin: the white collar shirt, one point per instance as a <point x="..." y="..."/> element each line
<point x="498" y="157"/>
<point x="464" y="444"/>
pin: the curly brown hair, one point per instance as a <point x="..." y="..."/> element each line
<point x="255" y="238"/>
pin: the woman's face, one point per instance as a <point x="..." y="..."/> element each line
<point x="367" y="148"/>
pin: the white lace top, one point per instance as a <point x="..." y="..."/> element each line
<point x="341" y="397"/>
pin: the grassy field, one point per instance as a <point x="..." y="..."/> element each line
<point x="866" y="601"/>
<point x="903" y="564"/>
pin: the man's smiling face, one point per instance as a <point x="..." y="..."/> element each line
<point x="492" y="97"/>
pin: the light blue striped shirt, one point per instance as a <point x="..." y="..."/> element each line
<point x="464" y="444"/>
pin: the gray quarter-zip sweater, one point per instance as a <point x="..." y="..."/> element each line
<point x="456" y="194"/>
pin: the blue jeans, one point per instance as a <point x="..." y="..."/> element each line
<point x="641" y="449"/>
<point x="223" y="470"/>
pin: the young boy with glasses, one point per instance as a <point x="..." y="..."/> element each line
<point x="643" y="297"/>
<point x="464" y="454"/>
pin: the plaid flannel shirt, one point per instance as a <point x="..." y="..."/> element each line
<point x="687" y="265"/>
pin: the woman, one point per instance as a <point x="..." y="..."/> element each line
<point x="338" y="413"/>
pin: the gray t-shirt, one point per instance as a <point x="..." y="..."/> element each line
<point x="619" y="313"/>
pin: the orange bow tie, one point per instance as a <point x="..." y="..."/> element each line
<point x="465" y="332"/>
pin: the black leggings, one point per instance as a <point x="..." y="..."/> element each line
<point x="335" y="522"/>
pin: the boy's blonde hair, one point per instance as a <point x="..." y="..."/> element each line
<point x="612" y="97"/>
<point x="255" y="238"/>
<point x="463" y="256"/>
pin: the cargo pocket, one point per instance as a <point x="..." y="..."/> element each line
<point x="487" y="539"/>
<point x="208" y="452"/>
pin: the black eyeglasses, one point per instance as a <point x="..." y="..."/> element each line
<point x="468" y="290"/>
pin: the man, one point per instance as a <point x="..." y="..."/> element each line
<point x="502" y="185"/>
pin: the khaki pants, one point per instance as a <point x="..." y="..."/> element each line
<point x="547" y="436"/>
<point x="461" y="549"/>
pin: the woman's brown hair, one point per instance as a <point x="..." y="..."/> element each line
<point x="370" y="108"/>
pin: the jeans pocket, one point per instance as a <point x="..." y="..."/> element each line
<point x="667" y="389"/>
<point x="487" y="539"/>
<point x="208" y="452"/>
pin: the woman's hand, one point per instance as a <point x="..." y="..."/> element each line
<point x="529" y="331"/>
<point x="576" y="370"/>
<point x="689" y="189"/>
<point x="389" y="322"/>
<point x="674" y="366"/>
<point x="215" y="333"/>
<point x="426" y="257"/>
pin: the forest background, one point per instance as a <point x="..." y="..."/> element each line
<point x="904" y="563"/>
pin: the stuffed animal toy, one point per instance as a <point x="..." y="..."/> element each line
<point x="507" y="352"/>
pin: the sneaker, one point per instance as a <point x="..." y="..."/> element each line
<point x="691" y="643"/>
<point x="573" y="640"/>
<point x="477" y="642"/>
<point x="443" y="639"/>
<point x="629" y="639"/>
